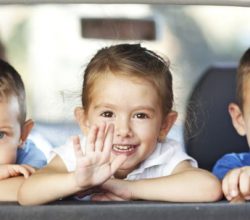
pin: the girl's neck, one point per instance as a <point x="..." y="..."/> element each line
<point x="122" y="173"/>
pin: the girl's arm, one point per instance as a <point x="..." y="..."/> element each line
<point x="48" y="184"/>
<point x="185" y="184"/>
<point x="93" y="167"/>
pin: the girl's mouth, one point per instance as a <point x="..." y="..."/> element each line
<point x="126" y="149"/>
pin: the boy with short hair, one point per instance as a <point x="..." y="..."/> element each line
<point x="234" y="169"/>
<point x="18" y="155"/>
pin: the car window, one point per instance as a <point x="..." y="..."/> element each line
<point x="50" y="45"/>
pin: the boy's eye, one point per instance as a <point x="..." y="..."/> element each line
<point x="141" y="115"/>
<point x="107" y="114"/>
<point x="2" y="134"/>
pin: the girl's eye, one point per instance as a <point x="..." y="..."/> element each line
<point x="2" y="134"/>
<point x="107" y="114"/>
<point x="141" y="116"/>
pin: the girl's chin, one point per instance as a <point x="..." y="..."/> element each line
<point x="122" y="173"/>
<point x="126" y="168"/>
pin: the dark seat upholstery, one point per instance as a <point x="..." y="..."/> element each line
<point x="208" y="130"/>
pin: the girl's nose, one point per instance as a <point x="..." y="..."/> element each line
<point x="123" y="128"/>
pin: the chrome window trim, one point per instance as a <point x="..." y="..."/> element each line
<point x="244" y="3"/>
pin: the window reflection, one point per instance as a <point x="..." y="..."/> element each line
<point x="45" y="44"/>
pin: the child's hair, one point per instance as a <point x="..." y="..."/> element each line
<point x="11" y="84"/>
<point x="243" y="73"/>
<point x="130" y="60"/>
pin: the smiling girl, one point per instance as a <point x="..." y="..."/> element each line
<point x="126" y="114"/>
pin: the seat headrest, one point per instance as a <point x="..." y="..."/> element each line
<point x="208" y="130"/>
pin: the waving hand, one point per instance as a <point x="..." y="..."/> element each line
<point x="94" y="166"/>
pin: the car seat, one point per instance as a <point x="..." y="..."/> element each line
<point x="208" y="130"/>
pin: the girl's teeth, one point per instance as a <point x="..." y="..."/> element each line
<point x="123" y="147"/>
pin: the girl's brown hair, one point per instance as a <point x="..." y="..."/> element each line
<point x="130" y="60"/>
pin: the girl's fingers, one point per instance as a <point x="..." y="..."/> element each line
<point x="117" y="162"/>
<point x="100" y="197"/>
<point x="106" y="197"/>
<point x="113" y="197"/>
<point x="100" y="137"/>
<point x="108" y="142"/>
<point x="77" y="146"/>
<point x="92" y="136"/>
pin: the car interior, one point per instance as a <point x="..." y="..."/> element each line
<point x="209" y="133"/>
<point x="54" y="39"/>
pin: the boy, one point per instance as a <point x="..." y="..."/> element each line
<point x="18" y="156"/>
<point x="234" y="169"/>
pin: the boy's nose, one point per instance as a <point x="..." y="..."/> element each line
<point x="122" y="128"/>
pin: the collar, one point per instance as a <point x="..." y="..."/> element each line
<point x="161" y="155"/>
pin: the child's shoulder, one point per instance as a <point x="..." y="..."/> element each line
<point x="31" y="155"/>
<point x="28" y="147"/>
<point x="239" y="159"/>
<point x="169" y="145"/>
<point x="167" y="151"/>
<point x="230" y="161"/>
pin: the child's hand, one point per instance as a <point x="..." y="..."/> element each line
<point x="93" y="167"/>
<point x="12" y="170"/>
<point x="115" y="190"/>
<point x="236" y="184"/>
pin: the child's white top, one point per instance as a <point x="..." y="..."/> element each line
<point x="166" y="156"/>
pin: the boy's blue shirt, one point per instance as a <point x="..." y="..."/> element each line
<point x="31" y="155"/>
<point x="229" y="162"/>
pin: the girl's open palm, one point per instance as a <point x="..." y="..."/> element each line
<point x="94" y="166"/>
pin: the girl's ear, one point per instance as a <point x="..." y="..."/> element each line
<point x="25" y="131"/>
<point x="237" y="118"/>
<point x="81" y="118"/>
<point x="167" y="123"/>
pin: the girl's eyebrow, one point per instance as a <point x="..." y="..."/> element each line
<point x="145" y="107"/>
<point x="106" y="105"/>
<point x="140" y="107"/>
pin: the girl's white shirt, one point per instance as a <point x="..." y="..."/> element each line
<point x="166" y="156"/>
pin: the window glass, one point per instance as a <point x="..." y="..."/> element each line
<point x="47" y="46"/>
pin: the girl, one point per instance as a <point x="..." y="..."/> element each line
<point x="126" y="113"/>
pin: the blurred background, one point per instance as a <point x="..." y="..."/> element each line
<point x="50" y="45"/>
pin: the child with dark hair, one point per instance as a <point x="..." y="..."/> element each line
<point x="234" y="169"/>
<point x="18" y="156"/>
